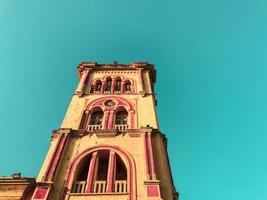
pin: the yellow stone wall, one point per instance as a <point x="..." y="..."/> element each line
<point x="145" y="110"/>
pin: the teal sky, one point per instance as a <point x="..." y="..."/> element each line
<point x="211" y="82"/>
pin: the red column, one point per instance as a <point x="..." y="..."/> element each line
<point x="110" y="119"/>
<point x="91" y="172"/>
<point x="151" y="157"/>
<point x="132" y="119"/>
<point x="112" y="86"/>
<point x="82" y="81"/>
<point x="85" y="122"/>
<point x="146" y="157"/>
<point x="122" y="87"/>
<point x="111" y="169"/>
<point x="105" y="119"/>
<point x="103" y="86"/>
<point x="56" y="156"/>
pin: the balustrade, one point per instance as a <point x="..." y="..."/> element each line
<point x="92" y="128"/>
<point x="99" y="186"/>
<point x="79" y="187"/>
<point x="121" y="186"/>
<point x="121" y="127"/>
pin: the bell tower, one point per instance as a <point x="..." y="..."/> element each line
<point x="109" y="145"/>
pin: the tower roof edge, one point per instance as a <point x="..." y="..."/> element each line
<point x="117" y="66"/>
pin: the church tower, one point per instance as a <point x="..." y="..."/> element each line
<point x="109" y="145"/>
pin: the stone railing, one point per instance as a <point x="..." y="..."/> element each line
<point x="121" y="127"/>
<point x="79" y="187"/>
<point x="109" y="92"/>
<point x="99" y="187"/>
<point x="121" y="186"/>
<point x="92" y="128"/>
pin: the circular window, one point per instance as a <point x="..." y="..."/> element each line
<point x="109" y="103"/>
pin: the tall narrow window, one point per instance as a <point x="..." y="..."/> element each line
<point x="100" y="173"/>
<point x="108" y="84"/>
<point x="121" y="117"/>
<point x="96" y="118"/>
<point x="128" y="86"/>
<point x="117" y="85"/>
<point x="98" y="86"/>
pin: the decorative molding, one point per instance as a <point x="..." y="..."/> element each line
<point x="130" y="165"/>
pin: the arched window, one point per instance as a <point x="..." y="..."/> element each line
<point x="121" y="117"/>
<point x="117" y="86"/>
<point x="96" y="169"/>
<point x="127" y="86"/>
<point x="96" y="118"/>
<point x="108" y="84"/>
<point x="98" y="85"/>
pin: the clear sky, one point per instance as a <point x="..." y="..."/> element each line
<point x="211" y="87"/>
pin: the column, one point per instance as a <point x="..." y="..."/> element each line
<point x="85" y="120"/>
<point x="82" y="81"/>
<point x="131" y="118"/>
<point x="105" y="119"/>
<point x="110" y="119"/>
<point x="111" y="169"/>
<point x="91" y="172"/>
<point x="122" y="87"/>
<point x="140" y="79"/>
<point x="103" y="86"/>
<point x="151" y="157"/>
<point x="146" y="157"/>
<point x="112" y="86"/>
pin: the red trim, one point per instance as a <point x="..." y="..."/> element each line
<point x="118" y="150"/>
<point x="57" y="157"/>
<point x="110" y="119"/>
<point x="52" y="158"/>
<point x="121" y="102"/>
<point x="91" y="171"/>
<point x="132" y="119"/>
<point x="151" y="157"/>
<point x="41" y="192"/>
<point x="152" y="191"/>
<point x="105" y="119"/>
<point x="110" y="177"/>
<point x="103" y="86"/>
<point x="112" y="86"/>
<point x="146" y="157"/>
<point x="85" y="123"/>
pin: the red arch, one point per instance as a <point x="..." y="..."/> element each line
<point x="121" y="102"/>
<point x="130" y="161"/>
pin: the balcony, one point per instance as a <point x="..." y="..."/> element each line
<point x="99" y="187"/>
<point x="121" y="186"/>
<point x="127" y="92"/>
<point x="92" y="128"/>
<point x="121" y="127"/>
<point x="79" y="187"/>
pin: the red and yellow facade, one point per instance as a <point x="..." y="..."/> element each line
<point x="109" y="145"/>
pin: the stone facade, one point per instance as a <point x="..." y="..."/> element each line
<point x="109" y="144"/>
<point x="16" y="187"/>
